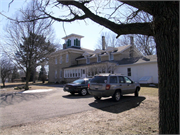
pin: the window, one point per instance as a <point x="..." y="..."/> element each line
<point x="76" y="42"/>
<point x="127" y="80"/>
<point x="60" y="73"/>
<point x="99" y="79"/>
<point x="55" y="60"/>
<point x="121" y="79"/>
<point x="67" y="58"/>
<point x="98" y="58"/>
<point x="129" y="71"/>
<point x="68" y="42"/>
<point x="113" y="79"/>
<point x="87" y="60"/>
<point x="111" y="57"/>
<point x="55" y="73"/>
<point x="61" y="59"/>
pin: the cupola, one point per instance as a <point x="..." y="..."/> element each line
<point x="72" y="41"/>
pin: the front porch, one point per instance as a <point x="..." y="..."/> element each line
<point x="73" y="73"/>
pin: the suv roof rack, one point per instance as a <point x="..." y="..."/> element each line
<point x="108" y="74"/>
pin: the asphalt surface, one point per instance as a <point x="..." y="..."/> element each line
<point x="20" y="108"/>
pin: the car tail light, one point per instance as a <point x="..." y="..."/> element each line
<point x="88" y="85"/>
<point x="108" y="86"/>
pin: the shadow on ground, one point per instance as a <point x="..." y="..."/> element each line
<point x="76" y="96"/>
<point x="126" y="103"/>
<point x="14" y="98"/>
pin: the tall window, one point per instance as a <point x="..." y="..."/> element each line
<point x="87" y="60"/>
<point x="129" y="71"/>
<point x="76" y="42"/>
<point x="61" y="59"/>
<point x="55" y="60"/>
<point x="68" y="42"/>
<point x="98" y="58"/>
<point x="67" y="58"/>
<point x="55" y="73"/>
<point x="111" y="57"/>
<point x="60" y="73"/>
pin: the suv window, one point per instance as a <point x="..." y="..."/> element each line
<point x="113" y="79"/>
<point x="99" y="79"/>
<point x="127" y="80"/>
<point x="121" y="79"/>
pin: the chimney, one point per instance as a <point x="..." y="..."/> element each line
<point x="103" y="42"/>
<point x="131" y="52"/>
<point x="132" y="40"/>
<point x="64" y="46"/>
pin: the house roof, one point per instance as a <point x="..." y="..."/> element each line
<point x="104" y="52"/>
<point x="123" y="48"/>
<point x="137" y="60"/>
<point x="124" y="61"/>
<point x="72" y="35"/>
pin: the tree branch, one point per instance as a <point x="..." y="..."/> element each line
<point x="133" y="28"/>
<point x="141" y="5"/>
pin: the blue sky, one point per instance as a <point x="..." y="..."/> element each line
<point x="90" y="30"/>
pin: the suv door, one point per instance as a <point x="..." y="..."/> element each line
<point x="122" y="85"/>
<point x="130" y="85"/>
<point x="113" y="81"/>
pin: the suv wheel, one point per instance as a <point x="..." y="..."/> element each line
<point x="97" y="98"/>
<point x="136" y="94"/>
<point x="83" y="92"/>
<point x="117" y="96"/>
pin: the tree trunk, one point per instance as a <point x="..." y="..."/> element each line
<point x="3" y="83"/>
<point x="166" y="28"/>
<point x="28" y="71"/>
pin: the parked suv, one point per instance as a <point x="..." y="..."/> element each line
<point x="105" y="85"/>
<point x="78" y="86"/>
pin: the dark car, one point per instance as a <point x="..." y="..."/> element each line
<point x="78" y="86"/>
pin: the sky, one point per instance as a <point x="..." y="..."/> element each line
<point x="90" y="30"/>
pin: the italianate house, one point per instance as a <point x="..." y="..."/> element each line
<point x="73" y="62"/>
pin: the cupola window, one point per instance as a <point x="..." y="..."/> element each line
<point x="76" y="42"/>
<point x="68" y="43"/>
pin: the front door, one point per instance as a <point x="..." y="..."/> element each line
<point x="83" y="73"/>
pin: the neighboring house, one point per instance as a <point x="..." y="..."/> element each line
<point x="73" y="62"/>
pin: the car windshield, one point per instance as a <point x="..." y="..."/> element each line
<point x="99" y="79"/>
<point x="79" y="81"/>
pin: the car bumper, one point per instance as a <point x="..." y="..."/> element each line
<point x="72" y="90"/>
<point x="101" y="93"/>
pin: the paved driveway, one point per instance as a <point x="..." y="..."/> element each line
<point x="19" y="108"/>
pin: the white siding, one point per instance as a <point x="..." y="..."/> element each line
<point x="140" y="70"/>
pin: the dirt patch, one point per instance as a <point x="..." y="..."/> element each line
<point x="142" y="118"/>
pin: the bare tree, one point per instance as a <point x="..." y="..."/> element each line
<point x="6" y="69"/>
<point x="110" y="40"/>
<point x="28" y="40"/>
<point x="145" y="44"/>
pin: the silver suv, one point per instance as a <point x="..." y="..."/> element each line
<point x="106" y="84"/>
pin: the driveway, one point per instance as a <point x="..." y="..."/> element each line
<point x="20" y="108"/>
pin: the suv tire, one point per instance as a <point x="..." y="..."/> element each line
<point x="117" y="95"/>
<point x="83" y="92"/>
<point x="136" y="94"/>
<point x="97" y="98"/>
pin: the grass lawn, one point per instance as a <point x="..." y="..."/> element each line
<point x="150" y="91"/>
